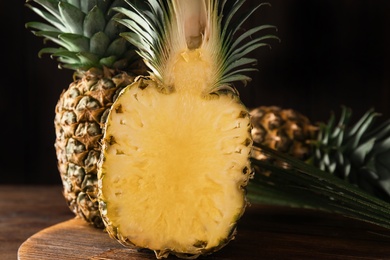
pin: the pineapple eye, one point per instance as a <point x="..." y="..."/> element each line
<point x="118" y="109"/>
<point x="246" y="170"/>
<point x="247" y="142"/>
<point x="91" y="161"/>
<point x="142" y="84"/>
<point x="74" y="146"/>
<point x="87" y="103"/>
<point x="200" y="244"/>
<point x="111" y="140"/>
<point x="119" y="152"/>
<point x="104" y="84"/>
<point x="243" y="114"/>
<point x="73" y="93"/>
<point x="93" y="129"/>
<point x="68" y="118"/>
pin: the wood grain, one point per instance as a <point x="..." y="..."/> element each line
<point x="25" y="210"/>
<point x="263" y="233"/>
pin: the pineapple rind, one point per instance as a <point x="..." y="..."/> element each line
<point x="80" y="116"/>
<point x="131" y="157"/>
<point x="284" y="130"/>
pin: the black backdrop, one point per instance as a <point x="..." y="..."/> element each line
<point x="332" y="53"/>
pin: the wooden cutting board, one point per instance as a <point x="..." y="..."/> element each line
<point x="263" y="233"/>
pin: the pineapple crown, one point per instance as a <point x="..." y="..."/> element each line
<point x="170" y="27"/>
<point x="84" y="30"/>
<point x="357" y="153"/>
<point x="297" y="184"/>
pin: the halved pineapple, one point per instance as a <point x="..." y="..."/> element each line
<point x="176" y="145"/>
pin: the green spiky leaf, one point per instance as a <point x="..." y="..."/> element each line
<point x="75" y="42"/>
<point x="304" y="186"/>
<point x="53" y="20"/>
<point x="99" y="43"/>
<point x="52" y="36"/>
<point x="117" y="47"/>
<point x="72" y="17"/>
<point x="85" y="28"/>
<point x="159" y="32"/>
<point x="94" y="22"/>
<point x="41" y="26"/>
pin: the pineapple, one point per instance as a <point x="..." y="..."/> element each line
<point x="176" y="145"/>
<point x="356" y="153"/>
<point x="88" y="42"/>
<point x="284" y="130"/>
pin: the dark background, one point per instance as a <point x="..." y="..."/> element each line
<point x="332" y="53"/>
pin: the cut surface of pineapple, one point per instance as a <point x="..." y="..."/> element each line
<point x="175" y="167"/>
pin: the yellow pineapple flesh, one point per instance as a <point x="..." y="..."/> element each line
<point x="185" y="183"/>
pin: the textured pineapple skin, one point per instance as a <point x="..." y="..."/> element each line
<point x="80" y="115"/>
<point x="284" y="130"/>
<point x="112" y="228"/>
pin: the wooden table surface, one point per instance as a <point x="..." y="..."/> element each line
<point x="264" y="232"/>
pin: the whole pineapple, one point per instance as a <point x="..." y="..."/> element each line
<point x="88" y="42"/>
<point x="284" y="130"/>
<point x="176" y="147"/>
<point x="358" y="153"/>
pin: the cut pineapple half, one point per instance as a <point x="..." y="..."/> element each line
<point x="174" y="169"/>
<point x="177" y="143"/>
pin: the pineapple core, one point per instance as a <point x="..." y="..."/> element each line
<point x="175" y="166"/>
